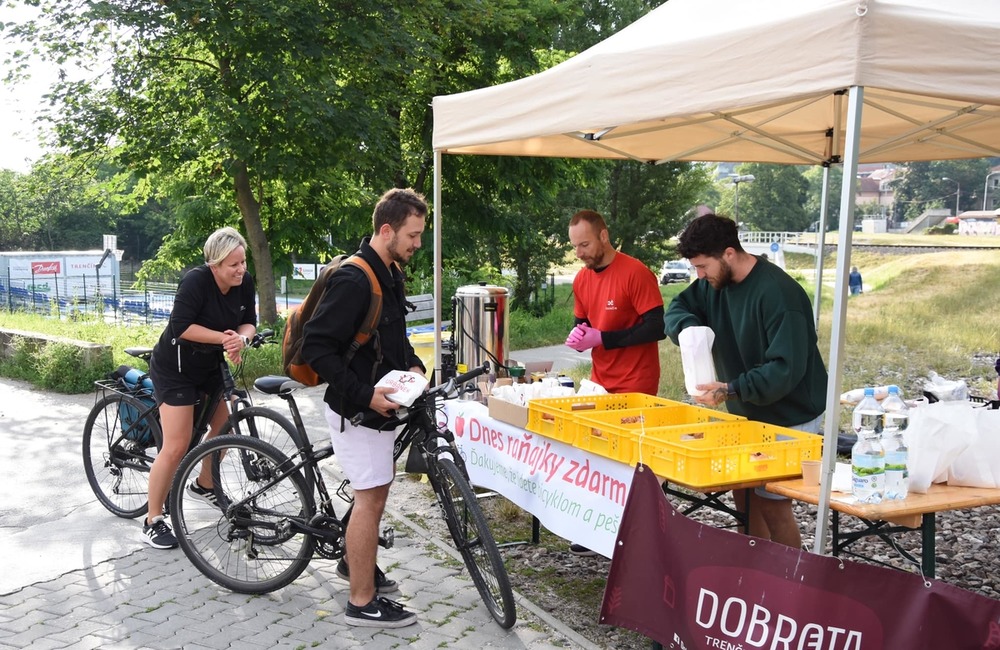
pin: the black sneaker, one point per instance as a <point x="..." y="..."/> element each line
<point x="207" y="495"/>
<point x="381" y="612"/>
<point x="383" y="585"/>
<point x="158" y="534"/>
<point x="581" y="551"/>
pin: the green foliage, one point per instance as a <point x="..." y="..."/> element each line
<point x="814" y="194"/>
<point x="921" y="186"/>
<point x="58" y="366"/>
<point x="775" y="200"/>
<point x="64" y="368"/>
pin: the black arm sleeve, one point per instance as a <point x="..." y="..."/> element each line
<point x="647" y="330"/>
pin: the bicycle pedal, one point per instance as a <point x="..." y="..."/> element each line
<point x="388" y="537"/>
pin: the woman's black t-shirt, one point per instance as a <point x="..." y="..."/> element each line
<point x="200" y="302"/>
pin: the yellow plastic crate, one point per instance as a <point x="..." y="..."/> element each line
<point x="615" y="434"/>
<point x="553" y="416"/>
<point x="715" y="454"/>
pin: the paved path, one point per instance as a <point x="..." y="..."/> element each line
<point x="75" y="576"/>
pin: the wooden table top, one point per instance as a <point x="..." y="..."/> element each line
<point x="939" y="497"/>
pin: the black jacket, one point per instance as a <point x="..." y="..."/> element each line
<point x="329" y="333"/>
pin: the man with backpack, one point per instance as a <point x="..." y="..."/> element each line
<point x="359" y="414"/>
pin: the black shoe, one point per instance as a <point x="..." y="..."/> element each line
<point x="158" y="534"/>
<point x="381" y="612"/>
<point x="207" y="495"/>
<point x="581" y="551"/>
<point x="383" y="585"/>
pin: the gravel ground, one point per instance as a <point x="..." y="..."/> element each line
<point x="967" y="548"/>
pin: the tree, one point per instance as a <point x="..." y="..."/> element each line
<point x="775" y="200"/>
<point x="921" y="186"/>
<point x="814" y="176"/>
<point x="236" y="97"/>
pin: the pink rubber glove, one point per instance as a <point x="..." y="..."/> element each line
<point x="583" y="337"/>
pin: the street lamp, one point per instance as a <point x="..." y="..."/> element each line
<point x="737" y="179"/>
<point x="958" y="191"/>
<point x="986" y="187"/>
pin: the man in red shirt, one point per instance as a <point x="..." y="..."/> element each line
<point x="618" y="311"/>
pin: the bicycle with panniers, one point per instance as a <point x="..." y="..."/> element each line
<point x="122" y="433"/>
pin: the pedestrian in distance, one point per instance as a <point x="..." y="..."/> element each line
<point x="765" y="349"/>
<point x="214" y="312"/>
<point x="359" y="414"/>
<point x="618" y="314"/>
<point x="854" y="282"/>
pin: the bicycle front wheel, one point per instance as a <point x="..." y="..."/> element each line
<point x="474" y="540"/>
<point x="117" y="454"/>
<point x="249" y="540"/>
<point x="267" y="425"/>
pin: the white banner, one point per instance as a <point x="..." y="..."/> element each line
<point x="575" y="494"/>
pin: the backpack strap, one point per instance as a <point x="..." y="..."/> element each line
<point x="369" y="326"/>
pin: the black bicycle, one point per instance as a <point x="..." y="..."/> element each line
<point x="276" y="512"/>
<point x="122" y="434"/>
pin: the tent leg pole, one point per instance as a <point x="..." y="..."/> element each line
<point x="820" y="241"/>
<point x="832" y="422"/>
<point x="438" y="299"/>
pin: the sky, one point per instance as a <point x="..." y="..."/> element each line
<point x="19" y="145"/>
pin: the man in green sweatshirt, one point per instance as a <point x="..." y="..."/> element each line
<point x="765" y="349"/>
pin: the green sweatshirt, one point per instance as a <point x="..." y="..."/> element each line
<point x="765" y="343"/>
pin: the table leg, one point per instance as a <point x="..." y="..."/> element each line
<point x="927" y="544"/>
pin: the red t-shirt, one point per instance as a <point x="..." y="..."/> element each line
<point x="613" y="299"/>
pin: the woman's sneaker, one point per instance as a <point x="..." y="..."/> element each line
<point x="381" y="612"/>
<point x="158" y="534"/>
<point x="207" y="495"/>
<point x="383" y="585"/>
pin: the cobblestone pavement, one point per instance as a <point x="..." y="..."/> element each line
<point x="75" y="576"/>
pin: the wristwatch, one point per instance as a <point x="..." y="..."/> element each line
<point x="731" y="392"/>
<point x="246" y="340"/>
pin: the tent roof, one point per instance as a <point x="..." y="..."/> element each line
<point x="754" y="81"/>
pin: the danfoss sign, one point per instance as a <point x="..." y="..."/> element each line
<point x="46" y="268"/>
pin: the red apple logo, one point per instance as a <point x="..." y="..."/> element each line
<point x="459" y="426"/>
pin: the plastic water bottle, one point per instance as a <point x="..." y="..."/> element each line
<point x="897" y="418"/>
<point x="867" y="455"/>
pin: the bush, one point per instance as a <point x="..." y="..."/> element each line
<point x="65" y="368"/>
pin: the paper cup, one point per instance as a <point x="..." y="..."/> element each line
<point x="810" y="472"/>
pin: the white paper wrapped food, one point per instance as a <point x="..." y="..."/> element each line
<point x="696" y="357"/>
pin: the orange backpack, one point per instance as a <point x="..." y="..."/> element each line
<point x="292" y="362"/>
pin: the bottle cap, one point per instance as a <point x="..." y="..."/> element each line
<point x="894" y="390"/>
<point x="869" y="392"/>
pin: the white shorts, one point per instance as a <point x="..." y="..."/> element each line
<point x="364" y="454"/>
<point x="812" y="426"/>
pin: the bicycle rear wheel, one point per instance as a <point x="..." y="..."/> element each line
<point x="267" y="425"/>
<point x="117" y="467"/>
<point x="474" y="540"/>
<point x="251" y="543"/>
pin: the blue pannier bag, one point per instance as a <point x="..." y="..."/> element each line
<point x="137" y="384"/>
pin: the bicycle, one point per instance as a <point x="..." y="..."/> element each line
<point x="122" y="433"/>
<point x="276" y="512"/>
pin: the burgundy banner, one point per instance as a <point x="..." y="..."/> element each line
<point x="691" y="586"/>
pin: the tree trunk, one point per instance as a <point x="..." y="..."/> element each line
<point x="259" y="250"/>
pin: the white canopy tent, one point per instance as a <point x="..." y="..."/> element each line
<point x="780" y="81"/>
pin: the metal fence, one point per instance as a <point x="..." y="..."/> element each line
<point x="75" y="296"/>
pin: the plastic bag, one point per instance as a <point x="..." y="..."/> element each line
<point x="937" y="434"/>
<point x="979" y="465"/>
<point x="946" y="390"/>
<point x="696" y="357"/>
